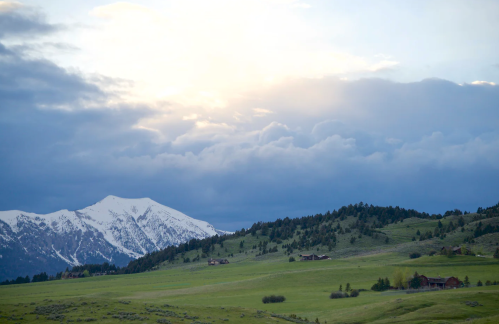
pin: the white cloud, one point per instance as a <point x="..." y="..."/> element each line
<point x="383" y="66"/>
<point x="301" y="5"/>
<point x="483" y="83"/>
<point x="393" y="141"/>
<point x="122" y="10"/>
<point x="6" y="6"/>
<point x="191" y="117"/>
<point x="260" y="112"/>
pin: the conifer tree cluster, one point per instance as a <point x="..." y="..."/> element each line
<point x="381" y="285"/>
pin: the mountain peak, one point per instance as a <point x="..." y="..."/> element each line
<point x="116" y="198"/>
<point x="114" y="230"/>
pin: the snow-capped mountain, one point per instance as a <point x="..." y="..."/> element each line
<point x="114" y="230"/>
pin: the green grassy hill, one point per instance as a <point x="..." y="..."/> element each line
<point x="399" y="236"/>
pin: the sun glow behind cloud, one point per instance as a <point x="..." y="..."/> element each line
<point x="217" y="47"/>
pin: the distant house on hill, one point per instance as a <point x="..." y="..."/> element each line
<point x="446" y="282"/>
<point x="75" y="275"/>
<point x="98" y="274"/>
<point x="312" y="257"/>
<point x="437" y="282"/>
<point x="217" y="261"/>
<point x="454" y="249"/>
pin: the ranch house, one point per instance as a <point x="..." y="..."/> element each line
<point x="75" y="275"/>
<point x="312" y="257"/>
<point x="217" y="261"/>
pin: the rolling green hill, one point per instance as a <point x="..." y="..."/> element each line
<point x="197" y="293"/>
<point x="359" y="229"/>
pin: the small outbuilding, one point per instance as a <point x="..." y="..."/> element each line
<point x="217" y="261"/>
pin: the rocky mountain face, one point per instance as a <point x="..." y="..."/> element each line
<point x="114" y="230"/>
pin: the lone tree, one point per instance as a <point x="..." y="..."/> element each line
<point x="400" y="278"/>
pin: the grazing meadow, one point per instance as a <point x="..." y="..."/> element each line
<point x="198" y="293"/>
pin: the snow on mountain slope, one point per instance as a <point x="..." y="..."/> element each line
<point x="114" y="230"/>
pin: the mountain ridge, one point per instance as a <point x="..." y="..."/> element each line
<point x="115" y="230"/>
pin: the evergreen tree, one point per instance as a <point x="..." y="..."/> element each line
<point x="466" y="281"/>
<point x="347" y="288"/>
<point x="415" y="281"/>
<point x="479" y="283"/>
<point x="341" y="288"/>
<point x="461" y="222"/>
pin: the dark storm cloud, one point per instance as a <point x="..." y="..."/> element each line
<point x="25" y="22"/>
<point x="430" y="145"/>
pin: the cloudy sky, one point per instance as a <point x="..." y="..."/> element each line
<point x="240" y="111"/>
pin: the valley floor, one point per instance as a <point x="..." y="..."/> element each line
<point x="197" y="293"/>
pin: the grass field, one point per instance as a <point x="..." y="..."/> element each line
<point x="196" y="293"/>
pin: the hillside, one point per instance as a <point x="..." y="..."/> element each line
<point x="358" y="229"/>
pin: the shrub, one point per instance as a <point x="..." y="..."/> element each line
<point x="163" y="321"/>
<point x="479" y="283"/>
<point x="354" y="293"/>
<point x="432" y="253"/>
<point x="415" y="255"/>
<point x="488" y="283"/>
<point x="292" y="259"/>
<point x="338" y="294"/>
<point x="273" y="299"/>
